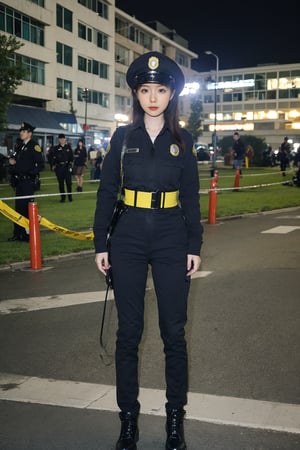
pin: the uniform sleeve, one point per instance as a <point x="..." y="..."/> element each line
<point x="38" y="158"/>
<point x="189" y="198"/>
<point x="108" y="190"/>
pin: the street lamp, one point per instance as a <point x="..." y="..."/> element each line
<point x="214" y="135"/>
<point x="85" y="96"/>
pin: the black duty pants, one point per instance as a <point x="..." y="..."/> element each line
<point x="158" y="238"/>
<point x="64" y="176"/>
<point x="23" y="188"/>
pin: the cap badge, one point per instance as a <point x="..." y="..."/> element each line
<point x="153" y="63"/>
<point x="174" y="150"/>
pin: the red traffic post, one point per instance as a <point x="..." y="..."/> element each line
<point x="237" y="180"/>
<point x="216" y="176"/>
<point x="212" y="212"/>
<point x="34" y="237"/>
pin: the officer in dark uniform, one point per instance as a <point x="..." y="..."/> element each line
<point x="24" y="166"/>
<point x="284" y="155"/>
<point x="160" y="227"/>
<point x="61" y="162"/>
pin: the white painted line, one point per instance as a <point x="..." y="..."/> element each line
<point x="288" y="217"/>
<point x="22" y="305"/>
<point x="249" y="413"/>
<point x="201" y="274"/>
<point x="56" y="301"/>
<point x="283" y="229"/>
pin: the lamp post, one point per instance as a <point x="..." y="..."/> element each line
<point x="85" y="96"/>
<point x="214" y="135"/>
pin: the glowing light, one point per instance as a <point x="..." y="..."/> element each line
<point x="233" y="127"/>
<point x="121" y="117"/>
<point x="237" y="84"/>
<point x="190" y="88"/>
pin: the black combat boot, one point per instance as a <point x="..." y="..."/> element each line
<point x="62" y="199"/>
<point x="129" y="434"/>
<point x="174" y="428"/>
<point x="70" y="197"/>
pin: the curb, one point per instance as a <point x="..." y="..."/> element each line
<point x="22" y="264"/>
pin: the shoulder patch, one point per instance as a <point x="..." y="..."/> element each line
<point x="37" y="148"/>
<point x="194" y="151"/>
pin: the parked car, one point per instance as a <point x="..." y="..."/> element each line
<point x="203" y="153"/>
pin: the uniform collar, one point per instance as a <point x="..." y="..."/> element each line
<point x="141" y="124"/>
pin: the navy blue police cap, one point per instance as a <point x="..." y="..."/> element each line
<point x="26" y="127"/>
<point x="154" y="67"/>
<point x="61" y="136"/>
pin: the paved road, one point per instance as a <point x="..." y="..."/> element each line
<point x="243" y="335"/>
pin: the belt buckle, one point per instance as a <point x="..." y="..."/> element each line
<point x="155" y="199"/>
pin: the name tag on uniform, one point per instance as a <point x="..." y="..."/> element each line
<point x="132" y="150"/>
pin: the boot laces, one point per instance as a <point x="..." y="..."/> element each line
<point x="174" y="424"/>
<point x="128" y="429"/>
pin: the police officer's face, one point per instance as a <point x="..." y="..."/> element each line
<point x="154" y="98"/>
<point x="25" y="135"/>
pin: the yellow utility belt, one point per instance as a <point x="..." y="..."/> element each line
<point x="154" y="200"/>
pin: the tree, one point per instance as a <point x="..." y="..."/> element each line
<point x="194" y="121"/>
<point x="11" y="74"/>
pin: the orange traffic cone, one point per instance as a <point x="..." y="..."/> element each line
<point x="212" y="213"/>
<point x="237" y="180"/>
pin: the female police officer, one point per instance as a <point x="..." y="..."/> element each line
<point x="160" y="227"/>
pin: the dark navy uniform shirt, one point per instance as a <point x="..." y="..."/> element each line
<point x="159" y="166"/>
<point x="61" y="154"/>
<point x="29" y="159"/>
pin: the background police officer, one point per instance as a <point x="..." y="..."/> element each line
<point x="61" y="163"/>
<point x="24" y="166"/>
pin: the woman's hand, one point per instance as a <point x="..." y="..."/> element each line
<point x="193" y="264"/>
<point x="101" y="260"/>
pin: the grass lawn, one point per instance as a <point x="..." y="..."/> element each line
<point x="260" y="189"/>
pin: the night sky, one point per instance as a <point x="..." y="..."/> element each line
<point x="242" y="34"/>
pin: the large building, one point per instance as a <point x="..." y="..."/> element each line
<point x="263" y="101"/>
<point x="77" y="53"/>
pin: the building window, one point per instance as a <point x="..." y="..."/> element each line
<point x="64" y="54"/>
<point x="95" y="97"/>
<point x="35" y="70"/>
<point x="260" y="82"/>
<point x="181" y="59"/>
<point x="92" y="35"/>
<point x="93" y="66"/>
<point x="64" y="18"/>
<point x="63" y="89"/>
<point x="122" y="104"/>
<point x="120" y="80"/>
<point x="145" y="40"/>
<point x="122" y="55"/>
<point x="102" y="40"/>
<point x="133" y="33"/>
<point x="100" y="7"/>
<point x="20" y="25"/>
<point x="39" y="2"/>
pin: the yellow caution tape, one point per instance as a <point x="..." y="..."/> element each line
<point x="69" y="233"/>
<point x="24" y="222"/>
<point x="13" y="215"/>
